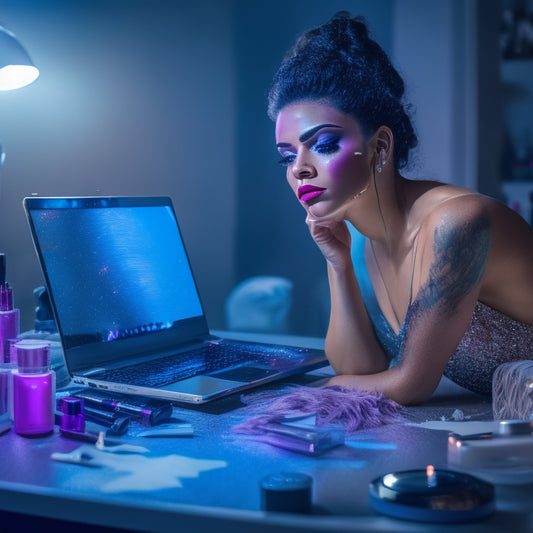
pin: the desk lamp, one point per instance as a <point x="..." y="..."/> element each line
<point x="16" y="67"/>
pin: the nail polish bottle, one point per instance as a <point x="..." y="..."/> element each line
<point x="9" y="316"/>
<point x="33" y="389"/>
<point x="73" y="417"/>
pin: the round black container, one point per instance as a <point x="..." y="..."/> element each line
<point x="432" y="496"/>
<point x="287" y="492"/>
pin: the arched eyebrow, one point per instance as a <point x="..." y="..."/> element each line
<point x="310" y="132"/>
<point x="306" y="135"/>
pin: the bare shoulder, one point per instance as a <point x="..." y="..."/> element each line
<point x="477" y="235"/>
<point x="455" y="207"/>
<point x="438" y="205"/>
<point x="432" y="203"/>
<point x="459" y="225"/>
<point x="464" y="207"/>
<point x="436" y="208"/>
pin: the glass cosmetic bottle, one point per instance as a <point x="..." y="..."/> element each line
<point x="33" y="389"/>
<point x="9" y="316"/>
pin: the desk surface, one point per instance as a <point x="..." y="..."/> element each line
<point x="226" y="496"/>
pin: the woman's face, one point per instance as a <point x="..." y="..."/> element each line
<point x="324" y="152"/>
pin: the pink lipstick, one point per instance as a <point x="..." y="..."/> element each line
<point x="308" y="192"/>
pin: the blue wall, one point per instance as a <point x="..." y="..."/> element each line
<point x="135" y="97"/>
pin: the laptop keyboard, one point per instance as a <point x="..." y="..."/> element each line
<point x="207" y="359"/>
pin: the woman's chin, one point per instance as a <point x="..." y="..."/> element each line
<point x="320" y="211"/>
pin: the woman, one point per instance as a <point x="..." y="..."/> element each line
<point x="437" y="279"/>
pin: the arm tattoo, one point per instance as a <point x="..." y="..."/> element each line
<point x="460" y="259"/>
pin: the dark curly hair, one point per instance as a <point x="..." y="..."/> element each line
<point x="339" y="64"/>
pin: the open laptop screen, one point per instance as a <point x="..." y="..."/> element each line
<point x="116" y="268"/>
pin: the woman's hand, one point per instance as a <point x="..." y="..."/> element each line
<point x="333" y="239"/>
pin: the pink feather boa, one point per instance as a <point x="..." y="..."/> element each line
<point x="352" y="409"/>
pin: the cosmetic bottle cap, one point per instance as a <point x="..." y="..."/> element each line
<point x="32" y="356"/>
<point x="73" y="418"/>
<point x="71" y="406"/>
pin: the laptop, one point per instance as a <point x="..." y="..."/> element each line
<point x="128" y="310"/>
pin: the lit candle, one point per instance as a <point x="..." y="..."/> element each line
<point x="431" y="476"/>
<point x="432" y="495"/>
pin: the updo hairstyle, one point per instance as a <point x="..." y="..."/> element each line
<point x="340" y="65"/>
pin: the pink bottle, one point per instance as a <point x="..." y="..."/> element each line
<point x="33" y="389"/>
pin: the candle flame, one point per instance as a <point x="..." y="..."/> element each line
<point x="431" y="476"/>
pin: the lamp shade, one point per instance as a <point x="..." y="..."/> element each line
<point x="16" y="67"/>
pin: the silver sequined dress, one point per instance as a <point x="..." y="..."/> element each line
<point x="491" y="339"/>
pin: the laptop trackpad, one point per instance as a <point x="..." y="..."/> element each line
<point x="203" y="385"/>
<point x="246" y="373"/>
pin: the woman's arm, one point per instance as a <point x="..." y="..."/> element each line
<point x="351" y="344"/>
<point x="454" y="264"/>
